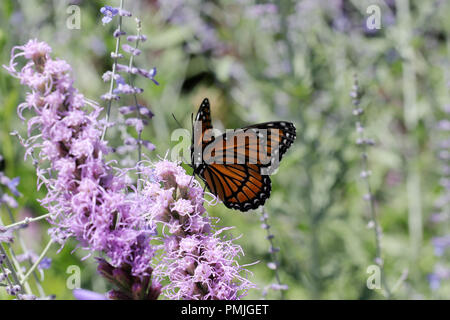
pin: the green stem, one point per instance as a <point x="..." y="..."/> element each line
<point x="11" y="268"/>
<point x="27" y="221"/>
<point x="138" y="112"/>
<point x="24" y="247"/>
<point x="35" y="265"/>
<point x="285" y="9"/>
<point x="18" y="267"/>
<point x="315" y="260"/>
<point x="363" y="142"/>
<point x="15" y="264"/>
<point x="376" y="226"/>
<point x="411" y="118"/>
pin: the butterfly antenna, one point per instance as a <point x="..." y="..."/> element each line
<point x="177" y="121"/>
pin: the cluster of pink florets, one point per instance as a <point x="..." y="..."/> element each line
<point x="86" y="199"/>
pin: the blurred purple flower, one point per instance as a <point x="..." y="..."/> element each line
<point x="141" y="38"/>
<point x="189" y="16"/>
<point x="45" y="263"/>
<point x="6" y="236"/>
<point x="439" y="273"/>
<point x="108" y="13"/>
<point x="83" y="294"/>
<point x="444" y="125"/>
<point x="438" y="217"/>
<point x="8" y="200"/>
<point x="12" y="186"/>
<point x="150" y="75"/>
<point x="129" y="49"/>
<point x="441" y="244"/>
<point x="33" y="257"/>
<point x="122" y="87"/>
<point x="258" y="10"/>
<point x="434" y="280"/>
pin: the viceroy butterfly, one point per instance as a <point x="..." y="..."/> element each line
<point x="241" y="181"/>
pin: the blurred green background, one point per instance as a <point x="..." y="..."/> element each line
<point x="260" y="61"/>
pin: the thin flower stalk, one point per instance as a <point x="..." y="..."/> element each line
<point x="273" y="251"/>
<point x="10" y="269"/>
<point x="38" y="261"/>
<point x="131" y="80"/>
<point x="24" y="249"/>
<point x="119" y="87"/>
<point x="27" y="255"/>
<point x="364" y="143"/>
<point x="27" y="221"/>
<point x="109" y="97"/>
<point x="441" y="217"/>
<point x="9" y="257"/>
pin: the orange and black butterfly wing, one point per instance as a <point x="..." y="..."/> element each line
<point x="242" y="183"/>
<point x="200" y="127"/>
<point x="202" y="124"/>
<point x="262" y="144"/>
<point x="277" y="138"/>
<point x="240" y="187"/>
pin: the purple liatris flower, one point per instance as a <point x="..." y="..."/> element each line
<point x="86" y="199"/>
<point x="129" y="287"/>
<point x="197" y="261"/>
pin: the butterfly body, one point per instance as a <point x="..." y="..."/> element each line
<point x="235" y="166"/>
